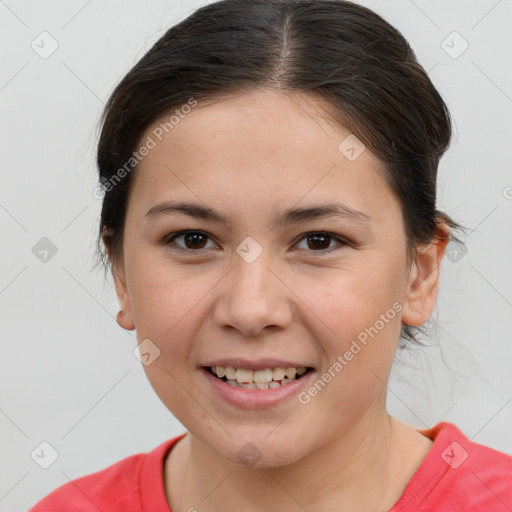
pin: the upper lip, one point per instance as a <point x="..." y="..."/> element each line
<point x="256" y="364"/>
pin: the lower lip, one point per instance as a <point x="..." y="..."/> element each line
<point x="256" y="398"/>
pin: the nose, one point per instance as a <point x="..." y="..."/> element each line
<point x="253" y="297"/>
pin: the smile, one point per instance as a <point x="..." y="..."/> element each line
<point x="268" y="378"/>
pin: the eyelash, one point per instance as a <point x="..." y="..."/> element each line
<point x="167" y="240"/>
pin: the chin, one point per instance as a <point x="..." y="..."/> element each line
<point x="258" y="453"/>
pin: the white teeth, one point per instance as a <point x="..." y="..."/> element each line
<point x="255" y="385"/>
<point x="243" y="375"/>
<point x="262" y="376"/>
<point x="278" y="373"/>
<point x="269" y="378"/>
<point x="247" y="385"/>
<point x="291" y="372"/>
<point x="230" y="372"/>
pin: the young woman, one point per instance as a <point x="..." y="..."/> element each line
<point x="269" y="170"/>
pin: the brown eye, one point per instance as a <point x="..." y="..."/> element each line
<point x="320" y="241"/>
<point x="193" y="240"/>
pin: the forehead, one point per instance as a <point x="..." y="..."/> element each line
<point x="262" y="122"/>
<point x="265" y="146"/>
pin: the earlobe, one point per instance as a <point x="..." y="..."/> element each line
<point x="124" y="321"/>
<point x="124" y="316"/>
<point x="423" y="284"/>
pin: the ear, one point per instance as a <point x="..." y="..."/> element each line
<point x="423" y="283"/>
<point x="125" y="315"/>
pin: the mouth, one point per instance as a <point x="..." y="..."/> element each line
<point x="267" y="378"/>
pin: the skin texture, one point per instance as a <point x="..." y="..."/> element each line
<point x="250" y="157"/>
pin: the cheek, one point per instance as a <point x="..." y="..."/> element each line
<point x="361" y="316"/>
<point x="355" y="296"/>
<point x="169" y="309"/>
<point x="163" y="297"/>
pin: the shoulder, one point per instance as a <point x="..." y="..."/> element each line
<point x="467" y="475"/>
<point x="96" y="491"/>
<point x="114" y="488"/>
<point x="486" y="470"/>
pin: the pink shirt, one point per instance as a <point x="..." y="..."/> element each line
<point x="457" y="475"/>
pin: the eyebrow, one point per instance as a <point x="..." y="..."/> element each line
<point x="287" y="217"/>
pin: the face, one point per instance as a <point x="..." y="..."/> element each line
<point x="328" y="293"/>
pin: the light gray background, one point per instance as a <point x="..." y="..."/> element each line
<point x="68" y="373"/>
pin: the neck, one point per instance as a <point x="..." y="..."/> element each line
<point x="361" y="471"/>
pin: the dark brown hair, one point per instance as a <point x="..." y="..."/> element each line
<point x="332" y="49"/>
